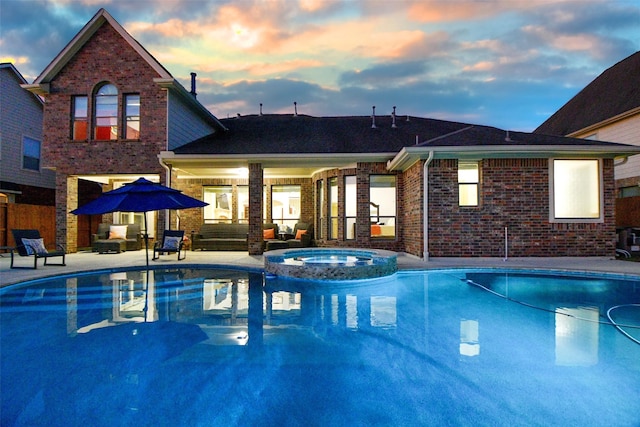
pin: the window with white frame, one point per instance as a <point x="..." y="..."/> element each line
<point x="132" y="116"/>
<point x="320" y="209"/>
<point x="468" y="183"/>
<point x="30" y="154"/>
<point x="576" y="190"/>
<point x="350" y="207"/>
<point x="106" y="113"/>
<point x="333" y="208"/>
<point x="382" y="206"/>
<point x="285" y="204"/>
<point x="220" y="205"/>
<point x="79" y="119"/>
<point x="243" y="204"/>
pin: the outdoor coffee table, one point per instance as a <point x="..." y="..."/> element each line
<point x="111" y="245"/>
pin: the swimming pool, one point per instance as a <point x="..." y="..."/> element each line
<point x="202" y="347"/>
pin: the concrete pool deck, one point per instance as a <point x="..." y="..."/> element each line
<point x="87" y="261"/>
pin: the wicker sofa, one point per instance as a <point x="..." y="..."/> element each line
<point x="100" y="242"/>
<point x="221" y="237"/>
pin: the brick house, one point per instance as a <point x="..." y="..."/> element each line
<point x="421" y="186"/>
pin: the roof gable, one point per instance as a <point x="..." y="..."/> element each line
<point x="612" y="93"/>
<point x="101" y="18"/>
<point x="20" y="80"/>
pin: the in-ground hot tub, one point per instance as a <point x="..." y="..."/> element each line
<point x="330" y="263"/>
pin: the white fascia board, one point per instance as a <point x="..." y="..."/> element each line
<point x="276" y="160"/>
<point x="410" y="155"/>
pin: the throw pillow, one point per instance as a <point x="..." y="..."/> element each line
<point x="299" y="234"/>
<point x="171" y="242"/>
<point x="118" y="232"/>
<point x="269" y="233"/>
<point x="34" y="246"/>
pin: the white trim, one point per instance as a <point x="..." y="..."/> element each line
<point x="610" y="120"/>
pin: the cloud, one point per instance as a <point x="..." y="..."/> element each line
<point x="509" y="63"/>
<point x="384" y="74"/>
<point x="443" y="11"/>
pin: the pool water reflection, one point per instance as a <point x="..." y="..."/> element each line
<point x="225" y="347"/>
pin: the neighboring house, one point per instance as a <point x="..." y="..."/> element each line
<point x="110" y="109"/>
<point x="414" y="185"/>
<point x="608" y="109"/>
<point x="23" y="179"/>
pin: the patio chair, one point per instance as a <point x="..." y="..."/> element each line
<point x="172" y="242"/>
<point x="29" y="243"/>
<point x="302" y="236"/>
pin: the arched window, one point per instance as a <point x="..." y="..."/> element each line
<point x="106" y="113"/>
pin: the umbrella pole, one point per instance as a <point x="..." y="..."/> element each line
<point x="146" y="251"/>
<point x="146" y="241"/>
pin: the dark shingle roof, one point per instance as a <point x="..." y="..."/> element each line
<point x="613" y="92"/>
<point x="288" y="134"/>
<point x="285" y="133"/>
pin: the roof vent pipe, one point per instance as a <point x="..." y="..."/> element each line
<point x="393" y="118"/>
<point x="295" y="109"/>
<point x="261" y="108"/>
<point x="508" y="138"/>
<point x="193" y="85"/>
<point x="373" y="118"/>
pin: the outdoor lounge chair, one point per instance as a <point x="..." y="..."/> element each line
<point x="172" y="242"/>
<point x="302" y="236"/>
<point x="29" y="243"/>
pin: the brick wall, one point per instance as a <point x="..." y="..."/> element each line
<point x="105" y="58"/>
<point x="412" y="210"/>
<point x="514" y="194"/>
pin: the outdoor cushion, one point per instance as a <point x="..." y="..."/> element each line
<point x="269" y="233"/>
<point x="171" y="242"/>
<point x="36" y="245"/>
<point x="118" y="232"/>
<point x="299" y="234"/>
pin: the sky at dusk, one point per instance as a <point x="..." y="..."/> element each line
<point x="504" y="63"/>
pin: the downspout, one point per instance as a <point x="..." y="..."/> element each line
<point x="167" y="226"/>
<point x="425" y="198"/>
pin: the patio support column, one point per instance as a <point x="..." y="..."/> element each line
<point x="255" y="208"/>
<point x="66" y="201"/>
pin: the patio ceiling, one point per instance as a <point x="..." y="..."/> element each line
<point x="274" y="165"/>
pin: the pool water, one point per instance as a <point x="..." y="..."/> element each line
<point x="331" y="259"/>
<point x="208" y="347"/>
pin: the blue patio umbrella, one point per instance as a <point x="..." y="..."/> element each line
<point x="141" y="195"/>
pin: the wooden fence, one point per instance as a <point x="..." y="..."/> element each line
<point x="42" y="218"/>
